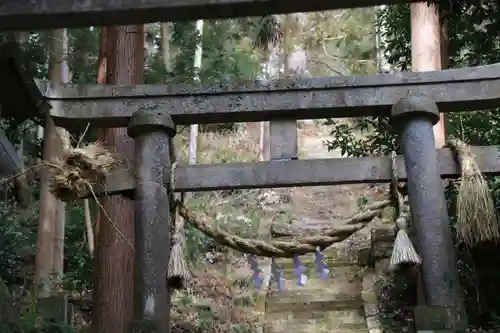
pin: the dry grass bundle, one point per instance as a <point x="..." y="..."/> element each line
<point x="476" y="215"/>
<point x="79" y="169"/>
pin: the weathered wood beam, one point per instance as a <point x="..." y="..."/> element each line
<point x="43" y="14"/>
<point x="337" y="171"/>
<point x="466" y="89"/>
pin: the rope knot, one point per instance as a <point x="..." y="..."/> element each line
<point x="401" y="223"/>
<point x="172" y="175"/>
<point x="176" y="238"/>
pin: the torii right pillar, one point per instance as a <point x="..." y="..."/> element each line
<point x="441" y="307"/>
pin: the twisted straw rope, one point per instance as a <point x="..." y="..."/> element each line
<point x="403" y="213"/>
<point x="279" y="249"/>
<point x="285" y="249"/>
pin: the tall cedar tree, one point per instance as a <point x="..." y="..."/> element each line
<point x="114" y="297"/>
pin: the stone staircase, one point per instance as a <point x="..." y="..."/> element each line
<point x="334" y="305"/>
<point x="345" y="302"/>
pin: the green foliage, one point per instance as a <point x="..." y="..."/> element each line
<point x="269" y="32"/>
<point x="18" y="231"/>
<point x="358" y="43"/>
<point x="83" y="54"/>
<point x="29" y="323"/>
<point x="377" y="137"/>
<point x="78" y="266"/>
<point x="227" y="55"/>
<point x="470" y="43"/>
<point x="226" y="58"/>
<point x="17" y="236"/>
<point x="42" y="328"/>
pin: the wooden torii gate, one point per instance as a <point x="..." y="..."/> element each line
<point x="152" y="112"/>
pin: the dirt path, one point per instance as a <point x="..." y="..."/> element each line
<point x="323" y="202"/>
<point x="321" y="205"/>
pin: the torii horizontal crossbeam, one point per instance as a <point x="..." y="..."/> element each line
<point x="43" y="14"/>
<point x="335" y="171"/>
<point x="465" y="89"/>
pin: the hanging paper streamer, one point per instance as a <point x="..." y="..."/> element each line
<point x="299" y="271"/>
<point x="321" y="266"/>
<point x="257" y="272"/>
<point x="278" y="275"/>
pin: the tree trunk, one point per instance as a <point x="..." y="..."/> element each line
<point x="60" y="56"/>
<point x="114" y="303"/>
<point x="272" y="72"/>
<point x="102" y="61"/>
<point x="426" y="49"/>
<point x="165" y="46"/>
<point x="50" y="237"/>
<point x="101" y="79"/>
<point x="198" y="58"/>
<point x="445" y="41"/>
<point x="44" y="260"/>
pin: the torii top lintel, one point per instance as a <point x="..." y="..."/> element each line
<point x="44" y="14"/>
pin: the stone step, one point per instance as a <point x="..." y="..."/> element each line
<point x="312" y="329"/>
<point x="347" y="271"/>
<point x="322" y="325"/>
<point x="340" y="281"/>
<point x="313" y="301"/>
<point x="352" y="316"/>
<point x="336" y="267"/>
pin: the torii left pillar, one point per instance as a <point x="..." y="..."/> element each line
<point x="153" y="131"/>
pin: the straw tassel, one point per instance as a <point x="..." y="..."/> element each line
<point x="476" y="215"/>
<point x="403" y="252"/>
<point x="178" y="271"/>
